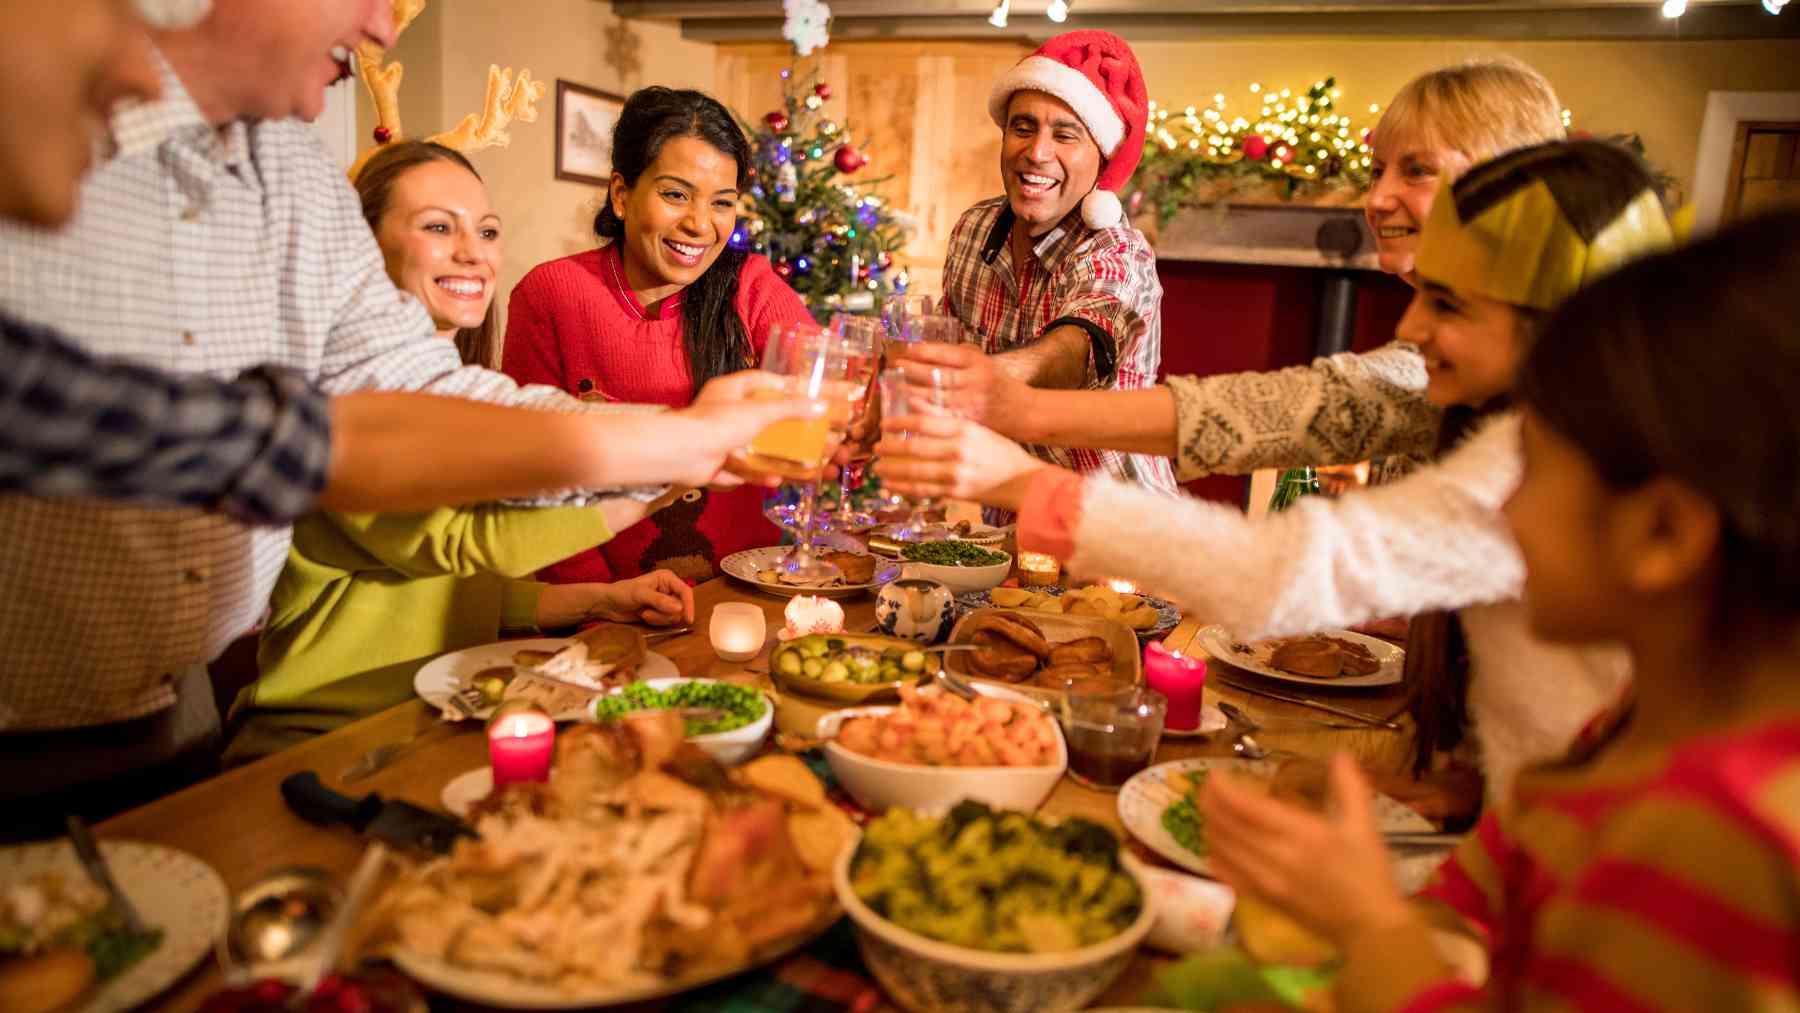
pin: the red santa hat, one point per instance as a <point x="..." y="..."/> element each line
<point x="1097" y="75"/>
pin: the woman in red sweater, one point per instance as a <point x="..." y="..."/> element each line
<point x="661" y="307"/>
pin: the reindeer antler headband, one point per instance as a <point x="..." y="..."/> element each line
<point x="508" y="98"/>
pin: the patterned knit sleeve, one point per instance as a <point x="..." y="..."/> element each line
<point x="1433" y="540"/>
<point x="1338" y="410"/>
<point x="1108" y="287"/>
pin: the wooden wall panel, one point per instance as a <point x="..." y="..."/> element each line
<point x="919" y="111"/>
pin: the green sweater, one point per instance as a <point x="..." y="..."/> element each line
<point x="366" y="599"/>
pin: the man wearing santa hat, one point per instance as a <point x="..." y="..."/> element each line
<point x="1051" y="280"/>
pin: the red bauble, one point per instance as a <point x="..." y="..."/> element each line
<point x="1282" y="152"/>
<point x="784" y="269"/>
<point x="822" y="90"/>
<point x="1255" y="147"/>
<point x="848" y="159"/>
<point x="777" y="121"/>
<point x="383" y="135"/>
<point x="884" y="260"/>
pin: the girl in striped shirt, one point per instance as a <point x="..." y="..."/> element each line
<point x="1658" y="867"/>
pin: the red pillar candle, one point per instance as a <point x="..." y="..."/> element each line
<point x="1181" y="679"/>
<point x="520" y="744"/>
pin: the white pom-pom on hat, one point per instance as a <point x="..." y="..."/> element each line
<point x="1101" y="209"/>
<point x="174" y="13"/>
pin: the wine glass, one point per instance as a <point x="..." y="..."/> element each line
<point x="811" y="364"/>
<point x="925" y="391"/>
<point x="860" y="338"/>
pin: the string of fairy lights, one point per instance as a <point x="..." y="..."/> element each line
<point x="1301" y="135"/>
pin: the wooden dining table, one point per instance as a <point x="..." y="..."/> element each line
<point x="238" y="823"/>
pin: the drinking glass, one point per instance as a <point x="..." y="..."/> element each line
<point x="1112" y="735"/>
<point x="811" y="364"/>
<point x="925" y="392"/>
<point x="860" y="338"/>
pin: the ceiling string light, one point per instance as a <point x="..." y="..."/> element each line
<point x="1058" y="11"/>
<point x="998" y="18"/>
<point x="1674" y="8"/>
<point x="1774" y="6"/>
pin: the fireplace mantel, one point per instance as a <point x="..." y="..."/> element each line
<point x="1283" y="235"/>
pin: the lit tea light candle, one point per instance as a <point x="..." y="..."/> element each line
<point x="521" y="741"/>
<point x="1038" y="569"/>
<point x="1122" y="586"/>
<point x="737" y="630"/>
<point x="1179" y="678"/>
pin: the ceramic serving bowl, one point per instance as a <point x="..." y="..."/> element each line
<point x="928" y="976"/>
<point x="879" y="785"/>
<point x="731" y="747"/>
<point x="960" y="579"/>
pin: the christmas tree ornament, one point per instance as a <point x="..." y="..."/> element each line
<point x="784" y="269"/>
<point x="1255" y="147"/>
<point x="822" y="90"/>
<point x="787" y="183"/>
<point x="828" y="128"/>
<point x="777" y="121"/>
<point x="848" y="159"/>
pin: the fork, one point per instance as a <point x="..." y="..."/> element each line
<point x="95" y="864"/>
<point x="382" y="756"/>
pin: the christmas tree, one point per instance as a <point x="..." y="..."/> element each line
<point x="833" y="240"/>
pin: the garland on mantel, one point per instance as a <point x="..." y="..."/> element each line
<point x="1299" y="148"/>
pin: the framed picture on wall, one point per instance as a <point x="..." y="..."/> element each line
<point x="584" y="127"/>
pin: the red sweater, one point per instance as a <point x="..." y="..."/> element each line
<point x="574" y="323"/>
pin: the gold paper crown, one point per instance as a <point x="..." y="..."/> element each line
<point x="508" y="98"/>
<point x="1525" y="251"/>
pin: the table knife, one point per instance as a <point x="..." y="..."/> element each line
<point x="1302" y="701"/>
<point x="95" y="864"/>
<point x="389" y="820"/>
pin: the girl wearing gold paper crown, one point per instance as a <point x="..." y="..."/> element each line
<point x="1659" y="507"/>
<point x="662" y="306"/>
<point x="1502" y="246"/>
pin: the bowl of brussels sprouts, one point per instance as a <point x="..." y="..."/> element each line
<point x="849" y="667"/>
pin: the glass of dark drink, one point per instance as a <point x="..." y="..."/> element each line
<point x="1112" y="733"/>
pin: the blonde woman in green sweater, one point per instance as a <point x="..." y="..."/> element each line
<point x="368" y="598"/>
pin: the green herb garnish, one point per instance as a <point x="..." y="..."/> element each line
<point x="1182" y="820"/>
<point x="741" y="704"/>
<point x="114" y="952"/>
<point x="952" y="553"/>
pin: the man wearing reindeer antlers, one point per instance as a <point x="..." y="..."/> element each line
<point x="214" y="237"/>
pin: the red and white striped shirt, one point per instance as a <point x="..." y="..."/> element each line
<point x="1102" y="280"/>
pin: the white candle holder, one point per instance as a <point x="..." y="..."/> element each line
<point x="737" y="631"/>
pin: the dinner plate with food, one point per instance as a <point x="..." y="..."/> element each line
<point x="1335" y="658"/>
<point x="1159" y="806"/>
<point x="1147" y="615"/>
<point x="859" y="572"/>
<point x="560" y="675"/>
<point x="642" y="868"/>
<point x="62" y="944"/>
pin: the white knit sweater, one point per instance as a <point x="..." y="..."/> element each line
<point x="1433" y="540"/>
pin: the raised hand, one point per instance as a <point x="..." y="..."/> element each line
<point x="982" y="390"/>
<point x="926" y="456"/>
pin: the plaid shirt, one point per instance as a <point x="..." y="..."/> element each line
<point x="255" y="448"/>
<point x="1103" y="281"/>
<point x="207" y="251"/>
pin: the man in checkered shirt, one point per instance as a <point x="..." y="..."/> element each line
<point x="218" y="237"/>
<point x="1057" y="286"/>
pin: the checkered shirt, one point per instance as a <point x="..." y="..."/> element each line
<point x="1102" y="280"/>
<point x="207" y="251"/>
<point x="256" y="448"/>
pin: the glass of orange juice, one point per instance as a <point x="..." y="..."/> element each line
<point x="861" y="340"/>
<point x="810" y="362"/>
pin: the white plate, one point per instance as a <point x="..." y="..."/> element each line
<point x="466" y="789"/>
<point x="446" y="673"/>
<point x="501" y="991"/>
<point x="172" y="890"/>
<point x="1218" y="643"/>
<point x="1212" y="721"/>
<point x="1144" y="797"/>
<point x="747" y="564"/>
